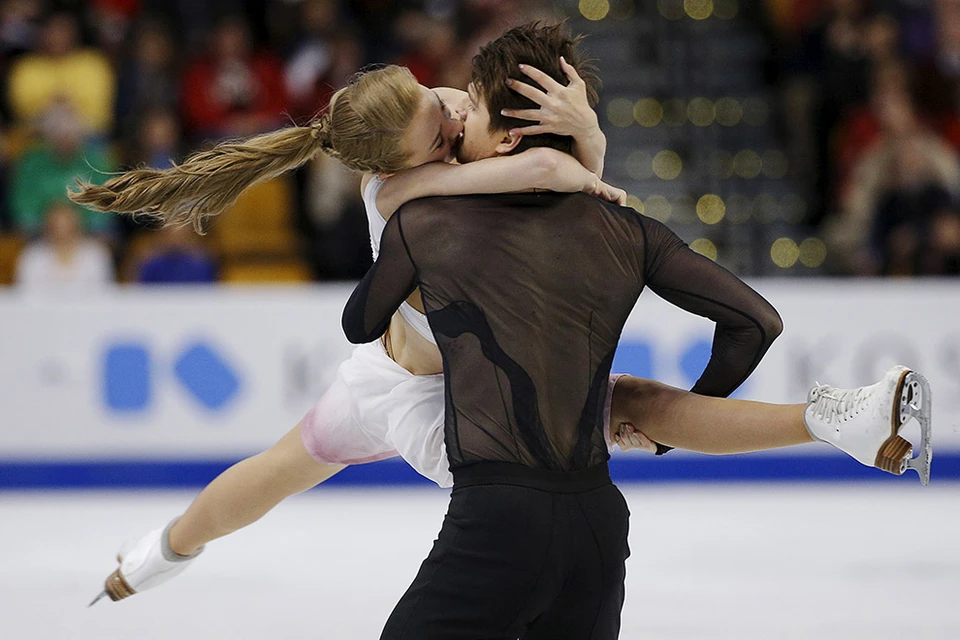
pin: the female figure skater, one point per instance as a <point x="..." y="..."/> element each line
<point x="388" y="126"/>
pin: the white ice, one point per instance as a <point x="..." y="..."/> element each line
<point x="768" y="562"/>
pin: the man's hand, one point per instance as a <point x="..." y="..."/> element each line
<point x="627" y="437"/>
<point x="564" y="110"/>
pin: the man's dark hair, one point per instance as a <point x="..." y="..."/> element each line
<point x="539" y="45"/>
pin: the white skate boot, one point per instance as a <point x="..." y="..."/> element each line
<point x="866" y="422"/>
<point x="144" y="564"/>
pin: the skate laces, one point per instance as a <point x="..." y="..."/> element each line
<point x="834" y="405"/>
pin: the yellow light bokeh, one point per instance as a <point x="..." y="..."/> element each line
<point x="667" y="165"/>
<point x="705" y="248"/>
<point x="648" y="112"/>
<point x="658" y="208"/>
<point x="620" y="112"/>
<point x="594" y="9"/>
<point x="812" y="252"/>
<point x="784" y="253"/>
<point x="711" y="209"/>
<point x="698" y="9"/>
<point x="728" y="112"/>
<point x="747" y="163"/>
<point x="635" y="203"/>
<point x="701" y="113"/>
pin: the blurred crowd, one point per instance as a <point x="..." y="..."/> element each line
<point x="90" y="87"/>
<point x="872" y="95"/>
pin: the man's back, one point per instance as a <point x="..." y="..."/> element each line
<point x="527" y="295"/>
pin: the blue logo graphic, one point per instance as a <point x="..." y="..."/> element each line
<point x="647" y="359"/>
<point x="635" y="358"/>
<point x="206" y="376"/>
<point x="129" y="374"/>
<point x="126" y="376"/>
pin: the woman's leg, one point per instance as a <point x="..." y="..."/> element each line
<point x="245" y="492"/>
<point x="685" y="420"/>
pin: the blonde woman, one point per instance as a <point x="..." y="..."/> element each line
<point x="397" y="132"/>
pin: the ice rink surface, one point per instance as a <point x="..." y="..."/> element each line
<point x="737" y="562"/>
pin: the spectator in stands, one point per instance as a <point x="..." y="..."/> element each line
<point x="828" y="74"/>
<point x="178" y="258"/>
<point x="233" y="91"/>
<point x="335" y="223"/>
<point x="157" y="142"/>
<point x="64" y="261"/>
<point x="430" y="45"/>
<point x="62" y="70"/>
<point x="864" y="125"/>
<point x="907" y="168"/>
<point x="912" y="195"/>
<point x="43" y="173"/>
<point x="19" y="28"/>
<point x="942" y="256"/>
<point x="312" y="59"/>
<point x="148" y="80"/>
<point x="112" y="20"/>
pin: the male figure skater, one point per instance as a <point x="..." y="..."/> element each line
<point x="527" y="295"/>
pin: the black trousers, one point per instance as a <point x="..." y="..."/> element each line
<point x="521" y="554"/>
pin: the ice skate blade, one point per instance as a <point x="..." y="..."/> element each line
<point x="117" y="586"/>
<point x="97" y="599"/>
<point x="913" y="401"/>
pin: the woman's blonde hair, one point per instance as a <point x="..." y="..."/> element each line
<point x="363" y="128"/>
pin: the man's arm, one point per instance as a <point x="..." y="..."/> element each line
<point x="746" y="323"/>
<point x="389" y="282"/>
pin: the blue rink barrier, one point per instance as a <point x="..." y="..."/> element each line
<point x="18" y="475"/>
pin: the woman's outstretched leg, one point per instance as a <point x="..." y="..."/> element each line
<point x="864" y="422"/>
<point x="245" y="492"/>
<point x="236" y="498"/>
<point x="693" y="422"/>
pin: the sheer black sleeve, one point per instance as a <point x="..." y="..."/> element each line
<point x="389" y="282"/>
<point x="746" y="323"/>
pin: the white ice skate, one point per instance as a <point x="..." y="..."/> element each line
<point x="144" y="564"/>
<point x="866" y="422"/>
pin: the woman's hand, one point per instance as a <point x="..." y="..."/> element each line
<point x="627" y="437"/>
<point x="607" y="192"/>
<point x="564" y="110"/>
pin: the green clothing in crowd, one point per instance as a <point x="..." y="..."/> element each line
<point x="40" y="178"/>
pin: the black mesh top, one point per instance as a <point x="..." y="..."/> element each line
<point x="527" y="295"/>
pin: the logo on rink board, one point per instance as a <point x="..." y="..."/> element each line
<point x="648" y="359"/>
<point x="130" y="376"/>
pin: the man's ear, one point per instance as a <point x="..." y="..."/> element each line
<point x="508" y="142"/>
